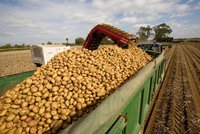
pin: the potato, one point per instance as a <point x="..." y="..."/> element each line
<point x="9" y="125"/>
<point x="47" y="104"/>
<point x="31" y="114"/>
<point x="63" y="117"/>
<point x="42" y="110"/>
<point x="75" y="95"/>
<point x="57" y="78"/>
<point x="66" y="78"/>
<point x="38" y="94"/>
<point x="17" y="102"/>
<point x="55" y="117"/>
<point x="54" y="105"/>
<point x="37" y="99"/>
<point x="23" y="124"/>
<point x="12" y="131"/>
<point x="46" y="125"/>
<point x="41" y="123"/>
<point x="10" y="117"/>
<point x="27" y="129"/>
<point x="40" y="88"/>
<point x="78" y="106"/>
<point x="16" y="119"/>
<point x="72" y="113"/>
<point x="34" y="89"/>
<point x="26" y="90"/>
<point x="37" y="116"/>
<point x="53" y="112"/>
<point x="23" y="117"/>
<point x="24" y="104"/>
<point x="41" y="103"/>
<point x="32" y="123"/>
<point x="28" y="119"/>
<point x="48" y="121"/>
<point x="15" y="106"/>
<point x="33" y="130"/>
<point x="19" y="130"/>
<point x="47" y="115"/>
<point x="5" y="131"/>
<point x="65" y="111"/>
<point x="40" y="130"/>
<point x="49" y="86"/>
<point x="7" y="100"/>
<point x="35" y="109"/>
<point x="45" y="95"/>
<point x="28" y="81"/>
<point x="23" y="112"/>
<point x="3" y="126"/>
<point x="3" y="113"/>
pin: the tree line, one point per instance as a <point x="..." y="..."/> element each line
<point x="7" y="46"/>
<point x="160" y="33"/>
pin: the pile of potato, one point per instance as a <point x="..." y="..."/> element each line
<point x="72" y="84"/>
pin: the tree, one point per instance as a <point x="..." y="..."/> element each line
<point x="17" y="46"/>
<point x="79" y="40"/>
<point x="7" y="46"/>
<point x="161" y="32"/>
<point x="145" y="32"/>
<point x="49" y="43"/>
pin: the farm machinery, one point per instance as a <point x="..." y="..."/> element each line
<point x="123" y="111"/>
<point x="152" y="48"/>
<point x="99" y="32"/>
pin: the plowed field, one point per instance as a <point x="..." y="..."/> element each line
<point x="13" y="62"/>
<point x="177" y="107"/>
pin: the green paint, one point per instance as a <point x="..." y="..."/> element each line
<point x="118" y="126"/>
<point x="10" y="81"/>
<point x="138" y="107"/>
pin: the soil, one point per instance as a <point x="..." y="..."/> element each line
<point x="13" y="62"/>
<point x="177" y="107"/>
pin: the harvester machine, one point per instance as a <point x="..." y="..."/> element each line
<point x="99" y="32"/>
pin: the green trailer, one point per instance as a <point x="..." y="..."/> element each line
<point x="10" y="81"/>
<point x="123" y="111"/>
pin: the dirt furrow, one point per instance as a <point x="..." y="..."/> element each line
<point x="178" y="114"/>
<point x="194" y="64"/>
<point x="177" y="108"/>
<point x="193" y="51"/>
<point x="192" y="95"/>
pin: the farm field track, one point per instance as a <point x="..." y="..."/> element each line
<point x="177" y="107"/>
<point x="13" y="62"/>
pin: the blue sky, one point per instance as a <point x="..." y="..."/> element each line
<point x="38" y="21"/>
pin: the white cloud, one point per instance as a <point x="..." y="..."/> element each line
<point x="182" y="9"/>
<point x="187" y="31"/>
<point x="197" y="6"/>
<point x="129" y="20"/>
<point x="38" y="21"/>
<point x="6" y="34"/>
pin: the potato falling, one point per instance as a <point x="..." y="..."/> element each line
<point x="72" y="84"/>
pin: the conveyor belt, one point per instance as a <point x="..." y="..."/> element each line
<point x="99" y="32"/>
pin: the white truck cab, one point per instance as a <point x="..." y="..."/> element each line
<point x="41" y="54"/>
